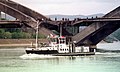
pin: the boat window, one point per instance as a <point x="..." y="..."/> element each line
<point x="56" y="46"/>
<point x="61" y="49"/>
<point x="62" y="40"/>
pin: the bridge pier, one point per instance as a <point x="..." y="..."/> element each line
<point x="92" y="48"/>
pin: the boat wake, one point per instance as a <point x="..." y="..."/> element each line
<point x="105" y="53"/>
<point x="36" y="56"/>
<point x="108" y="54"/>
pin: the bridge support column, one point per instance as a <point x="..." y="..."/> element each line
<point x="75" y="30"/>
<point x="92" y="48"/>
<point x="5" y="16"/>
<point x="73" y="47"/>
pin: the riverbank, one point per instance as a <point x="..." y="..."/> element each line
<point x="20" y="42"/>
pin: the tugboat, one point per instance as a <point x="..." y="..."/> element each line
<point x="58" y="47"/>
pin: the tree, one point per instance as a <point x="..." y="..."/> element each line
<point x="39" y="36"/>
<point x="22" y="35"/>
<point x="3" y="19"/>
<point x="2" y="30"/>
<point x="13" y="30"/>
<point x="25" y="35"/>
<point x="1" y="35"/>
<point x="7" y="35"/>
<point x="16" y="35"/>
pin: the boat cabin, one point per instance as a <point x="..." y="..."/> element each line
<point x="59" y="43"/>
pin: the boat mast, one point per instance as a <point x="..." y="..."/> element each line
<point x="37" y="34"/>
<point x="60" y="29"/>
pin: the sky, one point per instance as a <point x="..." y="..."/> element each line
<point x="71" y="7"/>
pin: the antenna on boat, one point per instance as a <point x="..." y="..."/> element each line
<point x="37" y="34"/>
<point x="60" y="29"/>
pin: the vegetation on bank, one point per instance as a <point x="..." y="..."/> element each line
<point x="17" y="33"/>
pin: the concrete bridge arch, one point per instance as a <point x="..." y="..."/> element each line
<point x="97" y="31"/>
<point x="23" y="14"/>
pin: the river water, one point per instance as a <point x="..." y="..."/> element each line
<point x="15" y="60"/>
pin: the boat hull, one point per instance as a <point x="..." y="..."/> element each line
<point x="55" y="53"/>
<point x="41" y="51"/>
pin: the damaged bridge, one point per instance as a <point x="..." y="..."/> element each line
<point x="96" y="28"/>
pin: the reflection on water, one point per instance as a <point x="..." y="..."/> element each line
<point x="15" y="60"/>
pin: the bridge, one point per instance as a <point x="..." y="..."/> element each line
<point x="96" y="28"/>
<point x="23" y="13"/>
<point x="97" y="31"/>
